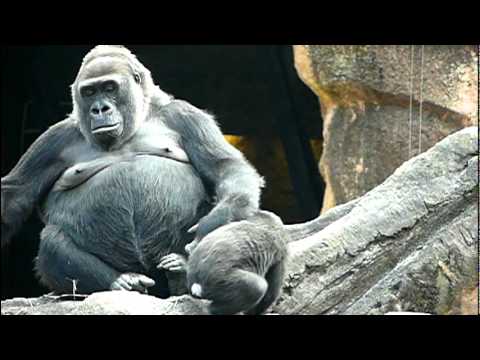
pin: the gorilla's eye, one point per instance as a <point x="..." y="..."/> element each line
<point x="87" y="91"/>
<point x="137" y="78"/>
<point x="110" y="86"/>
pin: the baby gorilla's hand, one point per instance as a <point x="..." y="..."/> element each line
<point x="173" y="263"/>
<point x="132" y="282"/>
<point x="190" y="247"/>
<point x="218" y="217"/>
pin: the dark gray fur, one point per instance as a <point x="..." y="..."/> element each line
<point x="240" y="267"/>
<point x="111" y="229"/>
<point x="79" y="173"/>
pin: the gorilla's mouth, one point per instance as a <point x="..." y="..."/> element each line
<point x="105" y="129"/>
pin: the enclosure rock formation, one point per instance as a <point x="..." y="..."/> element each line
<point x="410" y="244"/>
<point x="106" y="303"/>
<point x="364" y="93"/>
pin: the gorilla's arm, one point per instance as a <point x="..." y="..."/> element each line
<point x="235" y="184"/>
<point x="32" y="177"/>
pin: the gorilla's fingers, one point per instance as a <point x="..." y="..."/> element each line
<point x="165" y="264"/>
<point x="173" y="262"/>
<point x="169" y="257"/>
<point x="132" y="281"/>
<point x="146" y="281"/>
<point x="193" y="229"/>
<point x="139" y="282"/>
<point x="176" y="269"/>
<point x="169" y="262"/>
<point x="164" y="261"/>
<point x="126" y="287"/>
<point x="190" y="247"/>
<point x="120" y="284"/>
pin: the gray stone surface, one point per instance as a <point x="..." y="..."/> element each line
<point x="107" y="303"/>
<point x="411" y="244"/>
<point x="450" y="72"/>
<point x="364" y="91"/>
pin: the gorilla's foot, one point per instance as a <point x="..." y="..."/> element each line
<point x="132" y="282"/>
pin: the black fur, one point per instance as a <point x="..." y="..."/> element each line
<point x="240" y="267"/>
<point x="111" y="228"/>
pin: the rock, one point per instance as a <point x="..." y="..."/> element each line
<point x="107" y="303"/>
<point x="405" y="313"/>
<point x="410" y="244"/>
<point x="364" y="91"/>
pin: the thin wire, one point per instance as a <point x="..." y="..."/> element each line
<point x="421" y="103"/>
<point x="411" y="103"/>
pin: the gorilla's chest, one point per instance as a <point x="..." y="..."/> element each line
<point x="152" y="155"/>
<point x="140" y="199"/>
<point x="144" y="184"/>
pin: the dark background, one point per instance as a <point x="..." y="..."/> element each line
<point x="254" y="92"/>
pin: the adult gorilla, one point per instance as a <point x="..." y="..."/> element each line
<point x="121" y="181"/>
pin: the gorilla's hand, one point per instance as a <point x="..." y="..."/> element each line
<point x="219" y="216"/>
<point x="190" y="247"/>
<point x="173" y="263"/>
<point x="235" y="208"/>
<point x="132" y="282"/>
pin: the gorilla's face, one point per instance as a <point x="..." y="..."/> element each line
<point x="110" y="100"/>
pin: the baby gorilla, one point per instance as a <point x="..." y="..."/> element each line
<point x="240" y="267"/>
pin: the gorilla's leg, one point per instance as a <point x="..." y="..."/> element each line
<point x="274" y="279"/>
<point x="244" y="290"/>
<point x="62" y="267"/>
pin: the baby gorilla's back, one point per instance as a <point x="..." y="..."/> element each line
<point x="241" y="266"/>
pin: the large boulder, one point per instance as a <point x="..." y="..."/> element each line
<point x="364" y="91"/>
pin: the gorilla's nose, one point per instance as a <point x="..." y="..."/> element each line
<point x="100" y="108"/>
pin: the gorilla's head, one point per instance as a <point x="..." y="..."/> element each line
<point x="111" y="95"/>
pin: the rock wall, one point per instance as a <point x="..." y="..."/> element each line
<point x="371" y="97"/>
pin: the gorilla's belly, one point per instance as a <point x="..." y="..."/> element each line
<point x="134" y="211"/>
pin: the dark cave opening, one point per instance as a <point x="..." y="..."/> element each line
<point x="262" y="106"/>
